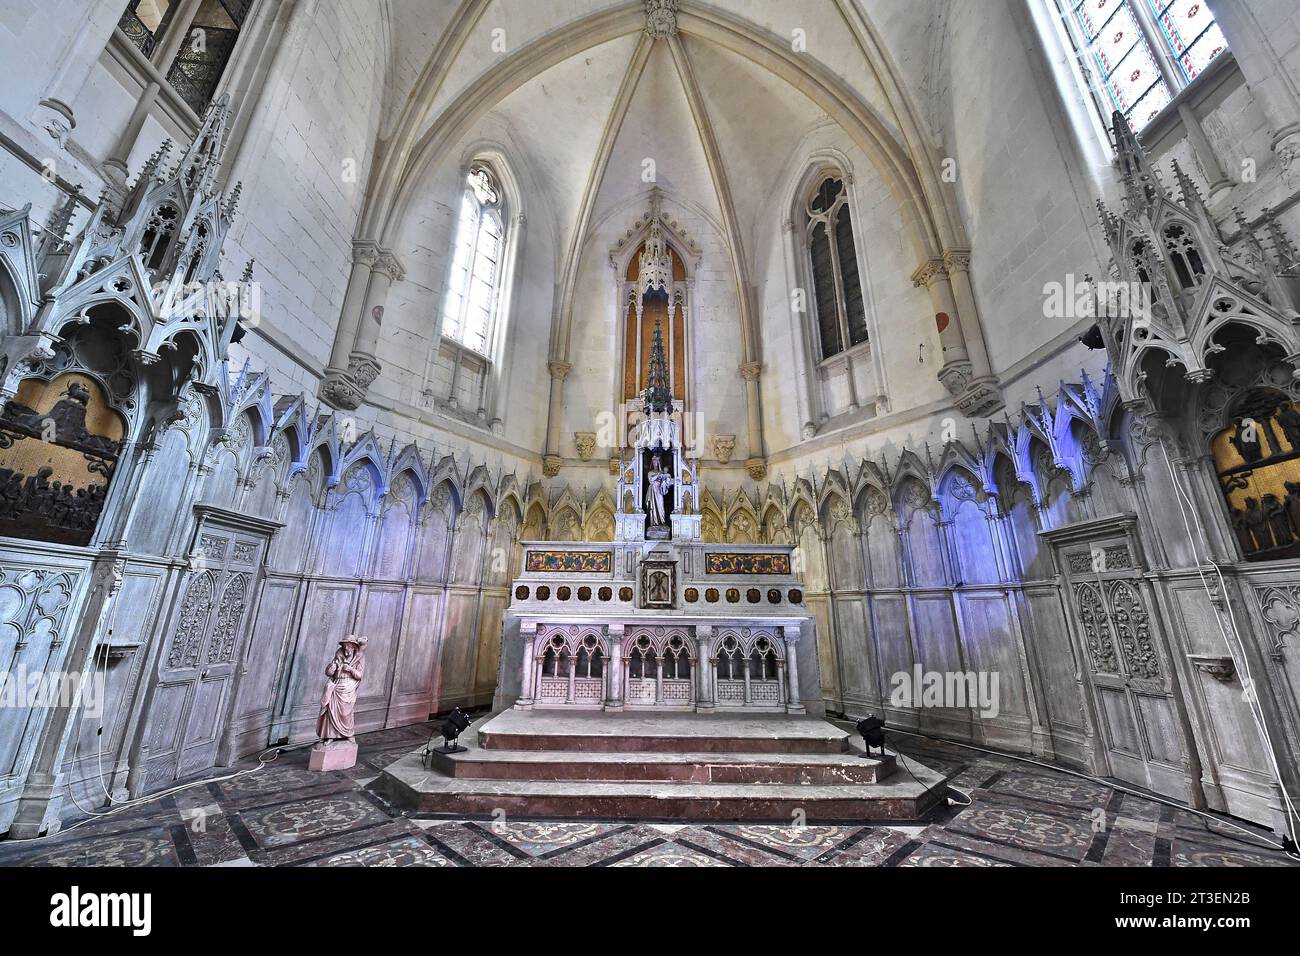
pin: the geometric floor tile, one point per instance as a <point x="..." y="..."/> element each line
<point x="285" y="815"/>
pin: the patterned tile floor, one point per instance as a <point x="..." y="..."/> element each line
<point x="283" y="815"/>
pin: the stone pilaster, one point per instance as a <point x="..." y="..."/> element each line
<point x="614" y="694"/>
<point x="756" y="465"/>
<point x="528" y="665"/>
<point x="704" y="702"/>
<point x="793" y="703"/>
<point x="552" y="461"/>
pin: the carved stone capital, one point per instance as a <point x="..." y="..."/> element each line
<point x="757" y="468"/>
<point x="956" y="260"/>
<point x="389" y="265"/>
<point x="981" y="398"/>
<point x="928" y="271"/>
<point x="723" y="446"/>
<point x="551" y="465"/>
<point x="365" y="252"/>
<point x="750" y="371"/>
<point x="586" y="444"/>
<point x="338" y="390"/>
<point x="559" y="370"/>
<point x="363" y="369"/>
<point x="955" y="376"/>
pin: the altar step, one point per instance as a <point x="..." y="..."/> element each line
<point x="547" y="765"/>
<point x="792" y="769"/>
<point x="427" y="792"/>
<point x="645" y="732"/>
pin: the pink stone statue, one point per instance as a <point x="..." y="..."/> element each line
<point x="337" y="750"/>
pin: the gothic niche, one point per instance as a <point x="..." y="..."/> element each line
<point x="1257" y="459"/>
<point x="59" y="443"/>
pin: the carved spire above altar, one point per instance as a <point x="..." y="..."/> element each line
<point x="658" y="395"/>
<point x="656" y="265"/>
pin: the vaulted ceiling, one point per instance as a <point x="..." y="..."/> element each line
<point x="721" y="109"/>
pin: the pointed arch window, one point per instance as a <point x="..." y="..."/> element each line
<point x="469" y="311"/>
<point x="1139" y="54"/>
<point x="838" y="303"/>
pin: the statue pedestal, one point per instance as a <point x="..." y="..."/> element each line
<point x="333" y="755"/>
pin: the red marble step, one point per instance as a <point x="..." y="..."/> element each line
<point x="409" y="784"/>
<point x="704" y="768"/>
<point x="639" y="732"/>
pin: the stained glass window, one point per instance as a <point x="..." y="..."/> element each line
<point x="469" y="308"/>
<point x="1189" y="28"/>
<point x="1125" y="42"/>
<point x="837" y="288"/>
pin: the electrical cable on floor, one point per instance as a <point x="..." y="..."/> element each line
<point x="1099" y="780"/>
<point x="899" y="754"/>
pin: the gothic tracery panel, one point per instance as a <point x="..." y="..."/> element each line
<point x="1094" y="620"/>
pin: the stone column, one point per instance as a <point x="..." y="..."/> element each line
<point x="982" y="397"/>
<point x="352" y="366"/>
<point x="704" y="702"/>
<point x="748" y="696"/>
<point x="117" y="165"/>
<point x="527" y="667"/>
<point x="614" y="701"/>
<point x="756" y="465"/>
<point x="1220" y="184"/>
<point x="659" y="679"/>
<point x="932" y="275"/>
<point x="794" y="705"/>
<point x="364" y="255"/>
<point x="965" y="372"/>
<point x="551" y="461"/>
<point x="956" y="263"/>
<point x="573" y="670"/>
<point x="386" y="270"/>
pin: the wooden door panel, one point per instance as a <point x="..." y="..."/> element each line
<point x="1122" y="733"/>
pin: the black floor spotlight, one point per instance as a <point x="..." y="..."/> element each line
<point x="452" y="728"/>
<point x="872" y="729"/>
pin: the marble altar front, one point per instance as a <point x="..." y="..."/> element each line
<point x="659" y="626"/>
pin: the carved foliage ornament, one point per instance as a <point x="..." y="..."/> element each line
<point x="661" y="19"/>
<point x="1096" y="629"/>
<point x="1132" y="624"/>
